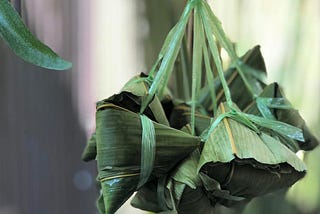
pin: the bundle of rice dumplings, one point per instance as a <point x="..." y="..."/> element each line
<point x="231" y="138"/>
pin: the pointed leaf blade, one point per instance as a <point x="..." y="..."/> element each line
<point x="24" y="44"/>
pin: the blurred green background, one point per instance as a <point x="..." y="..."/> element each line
<point x="47" y="116"/>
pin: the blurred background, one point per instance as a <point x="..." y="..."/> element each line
<point x="47" y="116"/>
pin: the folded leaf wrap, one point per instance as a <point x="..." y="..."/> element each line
<point x="118" y="141"/>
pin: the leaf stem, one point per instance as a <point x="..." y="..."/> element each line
<point x="227" y="45"/>
<point x="161" y="78"/>
<point x="210" y="78"/>
<point x="216" y="58"/>
<point x="198" y="41"/>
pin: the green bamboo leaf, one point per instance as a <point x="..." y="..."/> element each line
<point x="210" y="78"/>
<point x="264" y="109"/>
<point x="186" y="172"/>
<point x="169" y="212"/>
<point x="254" y="60"/>
<point x="146" y="197"/>
<point x="166" y="66"/>
<point x="137" y="86"/>
<point x="148" y="142"/>
<point x="278" y="103"/>
<point x="195" y="201"/>
<point x="214" y="189"/>
<point x="231" y="139"/>
<point x="24" y="44"/>
<point x="265" y="104"/>
<point x="283" y="111"/>
<point x="233" y="154"/>
<point x="239" y="92"/>
<point x="215" y="53"/>
<point x="233" y="114"/>
<point x="181" y="115"/>
<point x="163" y="201"/>
<point x="279" y="127"/>
<point x="100" y="204"/>
<point x="90" y="151"/>
<point x="118" y="136"/>
<point x="183" y="82"/>
<point x="218" y="32"/>
<point x="281" y="152"/>
<point x="198" y="41"/>
<point x="257" y="74"/>
<point x="162" y="52"/>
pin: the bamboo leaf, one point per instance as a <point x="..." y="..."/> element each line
<point x="283" y="111"/>
<point x="210" y="78"/>
<point x="183" y="82"/>
<point x="214" y="189"/>
<point x="118" y="136"/>
<point x="195" y="201"/>
<point x="233" y="154"/>
<point x="215" y="54"/>
<point x="24" y="44"/>
<point x="165" y="69"/>
<point x="264" y="109"/>
<point x="232" y="139"/>
<point x="146" y="198"/>
<point x="217" y="30"/>
<point x="186" y="172"/>
<point x="137" y="86"/>
<point x="181" y="115"/>
<point x="196" y="65"/>
<point x="279" y="127"/>
<point x="131" y="102"/>
<point x="252" y="60"/>
<point x="281" y="153"/>
<point x="148" y="142"/>
<point x="265" y="104"/>
<point x="90" y="151"/>
<point x="100" y="204"/>
<point x="278" y="103"/>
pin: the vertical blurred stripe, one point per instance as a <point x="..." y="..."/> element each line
<point x="82" y="71"/>
<point x="115" y="56"/>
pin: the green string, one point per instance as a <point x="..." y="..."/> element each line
<point x="148" y="149"/>
<point x="214" y="123"/>
<point x="220" y="35"/>
<point x="216" y="57"/>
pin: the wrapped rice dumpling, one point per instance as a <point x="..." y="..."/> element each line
<point x="187" y="156"/>
<point x="234" y="154"/>
<point x="119" y="145"/>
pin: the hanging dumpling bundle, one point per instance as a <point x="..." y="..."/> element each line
<point x="224" y="138"/>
